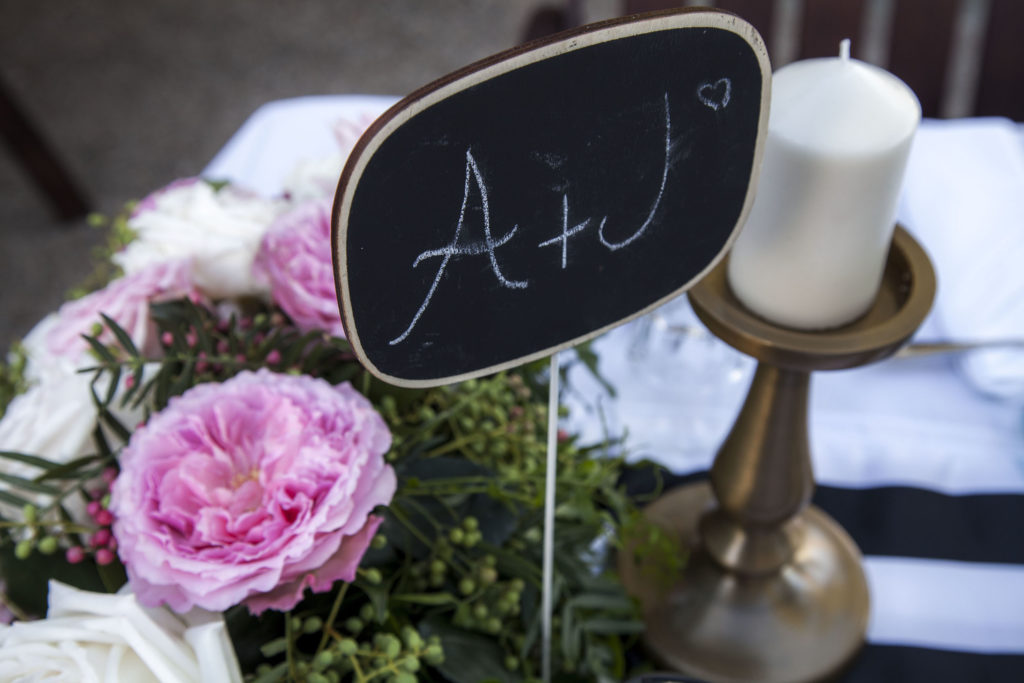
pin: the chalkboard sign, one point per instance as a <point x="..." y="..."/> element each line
<point x="537" y="198"/>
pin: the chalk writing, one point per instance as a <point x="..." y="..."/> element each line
<point x="566" y="232"/>
<point x="614" y="246"/>
<point x="712" y="94"/>
<point x="715" y="95"/>
<point x="472" y="249"/>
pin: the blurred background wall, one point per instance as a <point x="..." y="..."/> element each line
<point x="131" y="95"/>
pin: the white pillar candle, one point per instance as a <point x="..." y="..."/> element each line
<point x="813" y="249"/>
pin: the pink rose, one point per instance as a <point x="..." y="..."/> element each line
<point x="125" y="300"/>
<point x="250" y="492"/>
<point x="295" y="257"/>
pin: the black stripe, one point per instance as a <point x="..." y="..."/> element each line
<point x="884" y="663"/>
<point x="917" y="523"/>
<point x="903" y="521"/>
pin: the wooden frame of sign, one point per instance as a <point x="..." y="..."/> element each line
<point x="542" y="196"/>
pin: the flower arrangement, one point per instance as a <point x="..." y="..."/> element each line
<point x="204" y="484"/>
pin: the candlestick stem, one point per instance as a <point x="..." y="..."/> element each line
<point x="762" y="476"/>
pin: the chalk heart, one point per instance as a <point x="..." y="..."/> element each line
<point x="715" y="95"/>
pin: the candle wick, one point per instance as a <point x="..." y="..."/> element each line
<point x="844" y="49"/>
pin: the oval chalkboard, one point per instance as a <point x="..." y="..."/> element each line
<point x="535" y="199"/>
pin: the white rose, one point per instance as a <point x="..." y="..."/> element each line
<point x="314" y="178"/>
<point x="54" y="419"/>
<point x="219" y="230"/>
<point x="95" y="637"/>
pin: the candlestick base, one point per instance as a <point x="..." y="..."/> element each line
<point x="774" y="590"/>
<point x="797" y="624"/>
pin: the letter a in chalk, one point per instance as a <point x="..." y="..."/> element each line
<point x="488" y="245"/>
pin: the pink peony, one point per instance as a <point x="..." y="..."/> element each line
<point x="295" y="257"/>
<point x="126" y="300"/>
<point x="250" y="492"/>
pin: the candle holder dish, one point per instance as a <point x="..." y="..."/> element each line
<point x="774" y="589"/>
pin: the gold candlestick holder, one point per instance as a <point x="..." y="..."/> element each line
<point x="774" y="590"/>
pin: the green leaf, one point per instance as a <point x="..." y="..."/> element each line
<point x="378" y="598"/>
<point x="432" y="599"/>
<point x="468" y="656"/>
<point x="26" y="580"/>
<point x="412" y="529"/>
<point x="69" y="470"/>
<point x="29" y="485"/>
<point x="442" y="467"/>
<point x="163" y="387"/>
<point x="112" y="576"/>
<point x="185" y="380"/>
<point x="217" y="185"/>
<point x="146" y="387"/>
<point x="197" y="318"/>
<point x="515" y="565"/>
<point x="102" y="351"/>
<point x="100" y="439"/>
<point x="498" y="519"/>
<point x="13" y="499"/>
<point x="122" y="337"/>
<point x="33" y="460"/>
<point x="249" y="632"/>
<point x="114" y="379"/>
<point x="122" y="432"/>
<point x="606" y="626"/>
<point x="604" y="602"/>
<point x="572" y="638"/>
<point x="318" y="353"/>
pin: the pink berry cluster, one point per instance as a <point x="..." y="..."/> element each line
<point x="102" y="545"/>
<point x="206" y="363"/>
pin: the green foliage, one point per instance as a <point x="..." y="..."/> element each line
<point x="12" y="377"/>
<point x="450" y="588"/>
<point x="118" y="236"/>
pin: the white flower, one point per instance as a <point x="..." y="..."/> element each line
<point x="56" y="342"/>
<point x="219" y="230"/>
<point x="95" y="637"/>
<point x="314" y="178"/>
<point x="54" y="419"/>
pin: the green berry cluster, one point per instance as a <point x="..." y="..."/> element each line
<point x="495" y="420"/>
<point x="382" y="656"/>
<point x="38" y="537"/>
<point x="490" y="602"/>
